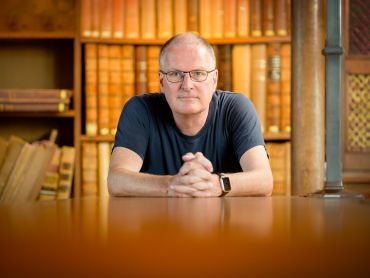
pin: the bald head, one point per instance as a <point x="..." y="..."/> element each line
<point x="186" y="39"/>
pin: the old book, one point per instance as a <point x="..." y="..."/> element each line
<point x="29" y="187"/>
<point x="224" y="80"/>
<point x="118" y="19"/>
<point x="256" y="17"/>
<point x="229" y="18"/>
<point x="153" y="68"/>
<point x="132" y="19"/>
<point x="106" y="13"/>
<point x="273" y="88"/>
<point x="128" y="72"/>
<point x="243" y="18"/>
<point x="281" y="17"/>
<point x="103" y="89"/>
<point x="86" y="19"/>
<point x="258" y="81"/>
<point x="49" y="185"/>
<point x="104" y="150"/>
<point x="180" y="16"/>
<point x="91" y="89"/>
<point x="29" y="95"/>
<point x="15" y="146"/>
<point x="141" y="68"/>
<point x="89" y="169"/>
<point x="193" y="16"/>
<point x="217" y="18"/>
<point x="115" y="86"/>
<point x="17" y="173"/>
<point x="3" y="148"/>
<point x="95" y="18"/>
<point x="205" y="23"/>
<point x="241" y="69"/>
<point x="280" y="163"/>
<point x="148" y="19"/>
<point x="285" y="91"/>
<point x="66" y="170"/>
<point x="165" y="19"/>
<point x="35" y="107"/>
<point x="268" y="18"/>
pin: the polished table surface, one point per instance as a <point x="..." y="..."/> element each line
<point x="215" y="237"/>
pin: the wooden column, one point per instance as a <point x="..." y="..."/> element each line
<point x="308" y="96"/>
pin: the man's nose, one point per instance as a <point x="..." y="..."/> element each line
<point x="187" y="83"/>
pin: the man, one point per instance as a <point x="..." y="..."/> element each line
<point x="176" y="143"/>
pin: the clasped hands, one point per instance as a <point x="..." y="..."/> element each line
<point x="195" y="178"/>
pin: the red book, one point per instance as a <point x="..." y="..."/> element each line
<point x="86" y="19"/>
<point x="106" y="18"/>
<point x="256" y="18"/>
<point x="118" y="18"/>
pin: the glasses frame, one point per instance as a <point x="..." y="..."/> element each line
<point x="183" y="75"/>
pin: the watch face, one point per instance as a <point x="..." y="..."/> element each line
<point x="226" y="184"/>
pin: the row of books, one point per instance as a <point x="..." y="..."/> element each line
<point x="32" y="171"/>
<point x="114" y="73"/>
<point x="150" y="19"/>
<point x="36" y="100"/>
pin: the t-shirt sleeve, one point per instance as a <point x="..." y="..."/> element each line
<point x="133" y="127"/>
<point x="245" y="125"/>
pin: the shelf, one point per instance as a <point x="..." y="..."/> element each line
<point x="37" y="35"/>
<point x="98" y="138"/>
<point x="278" y="136"/>
<point x="36" y="114"/>
<point x="139" y="41"/>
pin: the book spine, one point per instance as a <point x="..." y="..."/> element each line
<point x="153" y="68"/>
<point x="229" y="18"/>
<point x="95" y="16"/>
<point x="104" y="150"/>
<point x="285" y="89"/>
<point x="217" y="16"/>
<point x="118" y="19"/>
<point x="13" y="94"/>
<point x="281" y="17"/>
<point x="193" y="16"/>
<point x="180" y="16"/>
<point x="103" y="91"/>
<point x="205" y="26"/>
<point x="268" y="18"/>
<point x="89" y="169"/>
<point x="148" y="19"/>
<point x="49" y="186"/>
<point x="86" y="19"/>
<point x="165" y="20"/>
<point x="91" y="88"/>
<point x="34" y="107"/>
<point x="132" y="19"/>
<point x="273" y="88"/>
<point x="243" y="18"/>
<point x="67" y="162"/>
<point x="141" y="69"/>
<point x="106" y="13"/>
<point x="225" y="67"/>
<point x="34" y="100"/>
<point x="241" y="69"/>
<point x="280" y="166"/>
<point x="128" y="72"/>
<point x="256" y="17"/>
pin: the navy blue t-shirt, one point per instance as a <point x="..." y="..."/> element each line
<point x="147" y="127"/>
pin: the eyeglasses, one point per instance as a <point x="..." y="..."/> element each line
<point x="177" y="76"/>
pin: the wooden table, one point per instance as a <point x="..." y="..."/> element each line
<point x="216" y="237"/>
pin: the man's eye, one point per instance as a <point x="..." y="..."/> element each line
<point x="174" y="74"/>
<point x="198" y="73"/>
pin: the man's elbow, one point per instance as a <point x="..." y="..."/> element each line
<point x="268" y="184"/>
<point x="113" y="187"/>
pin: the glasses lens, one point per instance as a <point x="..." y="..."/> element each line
<point x="174" y="76"/>
<point x="198" y="75"/>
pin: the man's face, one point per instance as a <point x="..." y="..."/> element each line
<point x="188" y="97"/>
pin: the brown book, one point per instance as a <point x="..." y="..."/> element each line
<point x="217" y="17"/>
<point x="243" y="18"/>
<point x="205" y="26"/>
<point x="180" y="16"/>
<point x="95" y="16"/>
<point x="281" y="166"/>
<point x="89" y="169"/>
<point x="118" y="18"/>
<point x="104" y="150"/>
<point x="128" y="72"/>
<point x="103" y="91"/>
<point x="86" y="19"/>
<point x="273" y="88"/>
<point x="34" y="101"/>
<point x="115" y="86"/>
<point x="49" y="185"/>
<point x="229" y="18"/>
<point x="148" y="19"/>
<point x="29" y="187"/>
<point x="285" y="59"/>
<point x="15" y="146"/>
<point x="268" y="18"/>
<point x="165" y="19"/>
<point x="193" y="16"/>
<point x="106" y="13"/>
<point x="3" y="148"/>
<point x="132" y="19"/>
<point x="281" y="17"/>
<point x="224" y="68"/>
<point x="258" y="81"/>
<point x="241" y="69"/>
<point x="91" y="88"/>
<point x="256" y="17"/>
<point x="141" y="69"/>
<point x="153" y="68"/>
<point x="35" y="107"/>
<point x="28" y="95"/>
<point x="66" y="169"/>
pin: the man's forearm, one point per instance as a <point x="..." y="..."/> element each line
<point x="122" y="182"/>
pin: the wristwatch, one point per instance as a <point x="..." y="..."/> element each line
<point x="225" y="184"/>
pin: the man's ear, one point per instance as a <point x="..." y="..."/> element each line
<point x="215" y="78"/>
<point x="160" y="79"/>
